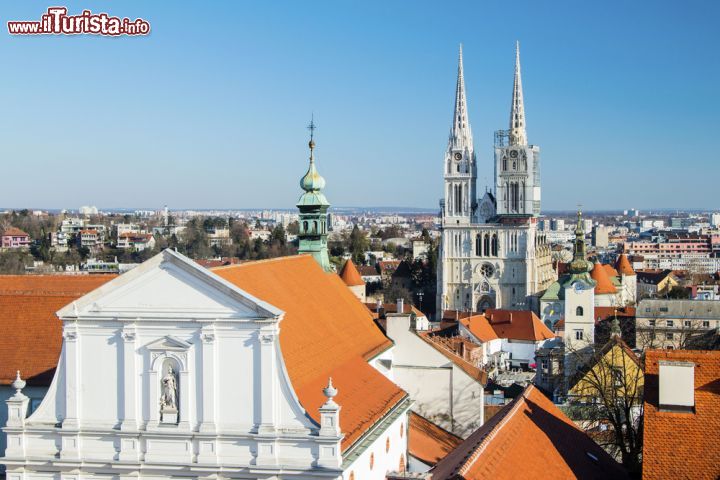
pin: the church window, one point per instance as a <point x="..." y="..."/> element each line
<point x="458" y="167"/>
<point x="579" y="311"/>
<point x="494" y="245"/>
<point x="387" y="444"/>
<point x="315" y="226"/>
<point x="578" y="334"/>
<point x="305" y="227"/>
<point x="504" y="163"/>
<point x="487" y="270"/>
<point x="514" y="165"/>
<point x="372" y="460"/>
<point x="478" y="245"/>
<point x="486" y="245"/>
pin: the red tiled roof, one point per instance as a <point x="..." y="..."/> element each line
<point x="14" y="232"/>
<point x="623" y="265"/>
<point x="350" y="274"/>
<point x="529" y="438"/>
<point x="603" y="313"/>
<point x="518" y="325"/>
<point x="683" y="445"/>
<point x="325" y="333"/>
<point x="610" y="270"/>
<point x="428" y="442"/>
<point x="473" y="371"/>
<point x="479" y="327"/>
<point x="603" y="283"/>
<point x="30" y="332"/>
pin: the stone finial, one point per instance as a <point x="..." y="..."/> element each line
<point x="330" y="391"/>
<point x="18" y="384"/>
<point x="615" y="328"/>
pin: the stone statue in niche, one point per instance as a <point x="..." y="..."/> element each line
<point x="168" y="397"/>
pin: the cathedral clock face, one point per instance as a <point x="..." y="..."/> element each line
<point x="513" y="153"/>
<point x="458" y="156"/>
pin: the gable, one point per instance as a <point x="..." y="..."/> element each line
<point x="170" y="285"/>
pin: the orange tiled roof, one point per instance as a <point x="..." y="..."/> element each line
<point x="428" y="442"/>
<point x="438" y="344"/>
<point x="529" y="438"/>
<point x="479" y="327"/>
<point x="518" y="325"/>
<point x="350" y="274"/>
<point x="603" y="313"/>
<point x="610" y="270"/>
<point x="325" y="332"/>
<point x="30" y="332"/>
<point x="14" y="232"/>
<point x="623" y="265"/>
<point x="603" y="283"/>
<point x="681" y="445"/>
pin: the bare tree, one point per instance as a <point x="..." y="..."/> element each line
<point x="606" y="399"/>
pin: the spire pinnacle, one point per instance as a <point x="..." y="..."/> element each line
<point x="312" y="181"/>
<point x="461" y="135"/>
<point x="518" y="135"/>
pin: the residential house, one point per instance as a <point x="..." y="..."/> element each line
<point x="662" y="323"/>
<point x="655" y="283"/>
<point x="369" y="274"/>
<point x="682" y="414"/>
<point x="477" y="328"/>
<point x="15" y="238"/>
<point x="353" y="280"/>
<point x="89" y="238"/>
<point x="522" y="334"/>
<point x="529" y="438"/>
<point x="136" y="241"/>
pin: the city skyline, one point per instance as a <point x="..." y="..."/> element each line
<point x="209" y="110"/>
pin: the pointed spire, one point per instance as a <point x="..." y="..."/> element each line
<point x="461" y="135"/>
<point x="312" y="181"/>
<point x="518" y="135"/>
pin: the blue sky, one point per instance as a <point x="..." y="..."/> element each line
<point x="210" y="110"/>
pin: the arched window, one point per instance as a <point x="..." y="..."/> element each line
<point x="372" y="460"/>
<point x="478" y="245"/>
<point x="486" y="245"/>
<point x="494" y="245"/>
<point x="401" y="467"/>
<point x="387" y="444"/>
<point x="504" y="163"/>
<point x="315" y="226"/>
<point x="305" y="227"/>
<point x="579" y="311"/>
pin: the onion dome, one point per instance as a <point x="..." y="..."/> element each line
<point x="623" y="265"/>
<point x="603" y="284"/>
<point x="312" y="181"/>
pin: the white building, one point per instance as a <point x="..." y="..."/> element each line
<point x="174" y="371"/>
<point x="491" y="252"/>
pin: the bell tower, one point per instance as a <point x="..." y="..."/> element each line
<point x="460" y="169"/>
<point x="313" y="208"/>
<point x="517" y="164"/>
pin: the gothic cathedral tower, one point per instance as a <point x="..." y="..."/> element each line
<point x="460" y="167"/>
<point x="517" y="164"/>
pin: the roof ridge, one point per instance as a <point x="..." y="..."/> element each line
<point x="482" y="445"/>
<point x="261" y="261"/>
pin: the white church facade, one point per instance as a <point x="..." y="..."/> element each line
<point x="492" y="254"/>
<point x="174" y="371"/>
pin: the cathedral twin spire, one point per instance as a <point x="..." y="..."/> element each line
<point x="517" y="133"/>
<point x="461" y="135"/>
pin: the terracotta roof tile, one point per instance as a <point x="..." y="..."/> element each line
<point x="473" y="371"/>
<point x="529" y="438"/>
<point x="350" y="274"/>
<point x="14" y="232"/>
<point x="427" y="441"/>
<point x="603" y="283"/>
<point x="681" y="445"/>
<point x="518" y="325"/>
<point x="610" y="270"/>
<point x="325" y="332"/>
<point x="479" y="327"/>
<point x="30" y="332"/>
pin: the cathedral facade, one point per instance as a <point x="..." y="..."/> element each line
<point x="491" y="252"/>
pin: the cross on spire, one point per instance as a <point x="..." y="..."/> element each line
<point x="311" y="126"/>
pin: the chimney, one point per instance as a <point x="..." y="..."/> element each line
<point x="400" y="305"/>
<point x="677" y="386"/>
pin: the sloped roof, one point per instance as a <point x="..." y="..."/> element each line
<point x="603" y="285"/>
<point x="529" y="438"/>
<point x="518" y="325"/>
<point x="325" y="333"/>
<point x="623" y="266"/>
<point x="436" y="341"/>
<point x="479" y="327"/>
<point x="427" y="441"/>
<point x="682" y="445"/>
<point x="14" y="232"/>
<point x="30" y="332"/>
<point x="610" y="270"/>
<point x="350" y="274"/>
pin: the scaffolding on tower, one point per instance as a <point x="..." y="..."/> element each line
<point x="502" y="138"/>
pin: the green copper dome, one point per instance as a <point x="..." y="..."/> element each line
<point x="312" y="181"/>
